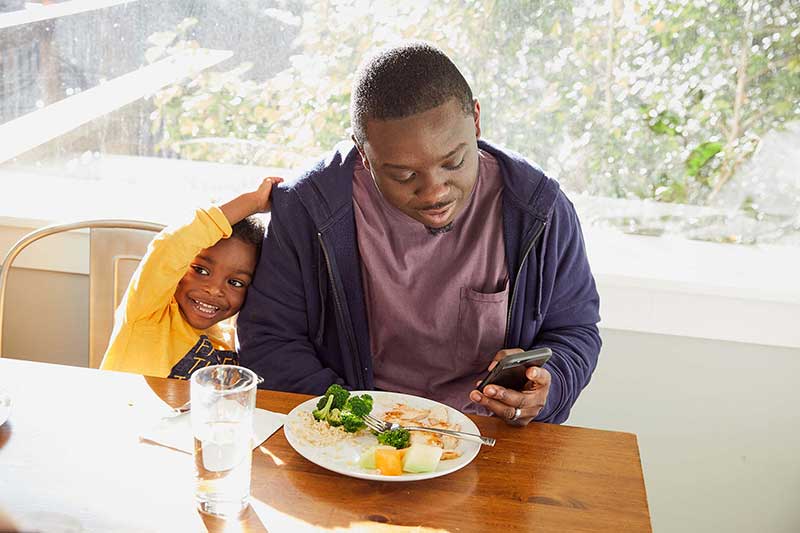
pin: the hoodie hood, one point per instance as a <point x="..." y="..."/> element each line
<point x="326" y="190"/>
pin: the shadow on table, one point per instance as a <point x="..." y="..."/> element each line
<point x="5" y="435"/>
<point x="248" y="521"/>
<point x="352" y="504"/>
<point x="260" y="517"/>
<point x="6" y="523"/>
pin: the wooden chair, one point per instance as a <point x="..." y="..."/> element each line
<point x="115" y="249"/>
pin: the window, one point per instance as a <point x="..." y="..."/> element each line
<point x="658" y="117"/>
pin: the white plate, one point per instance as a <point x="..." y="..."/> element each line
<point x="343" y="456"/>
<point x="5" y="407"/>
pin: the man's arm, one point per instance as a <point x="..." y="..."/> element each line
<point x="569" y="307"/>
<point x="570" y="315"/>
<point x="273" y="323"/>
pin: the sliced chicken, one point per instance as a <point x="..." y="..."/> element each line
<point x="433" y="418"/>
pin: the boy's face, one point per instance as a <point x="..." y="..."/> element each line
<point x="215" y="285"/>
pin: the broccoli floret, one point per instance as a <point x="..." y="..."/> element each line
<point x="351" y="423"/>
<point x="360" y="405"/>
<point x="335" y="417"/>
<point x="340" y="395"/>
<point x="399" y="438"/>
<point x="322" y="414"/>
<point x="368" y="400"/>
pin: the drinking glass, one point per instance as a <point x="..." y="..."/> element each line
<point x="223" y="398"/>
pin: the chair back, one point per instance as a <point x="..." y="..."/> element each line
<point x="115" y="249"/>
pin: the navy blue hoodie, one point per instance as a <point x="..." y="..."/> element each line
<point x="304" y="322"/>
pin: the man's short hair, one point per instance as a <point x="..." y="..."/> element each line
<point x="404" y="80"/>
<point x="250" y="230"/>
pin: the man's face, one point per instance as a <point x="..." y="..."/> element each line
<point x="425" y="165"/>
<point x="215" y="285"/>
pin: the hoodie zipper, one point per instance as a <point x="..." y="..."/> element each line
<point x="528" y="249"/>
<point x="340" y="312"/>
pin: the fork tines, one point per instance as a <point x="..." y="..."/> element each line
<point x="373" y="423"/>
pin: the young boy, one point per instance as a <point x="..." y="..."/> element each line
<point x="192" y="277"/>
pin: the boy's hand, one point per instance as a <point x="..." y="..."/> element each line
<point x="263" y="193"/>
<point x="250" y="203"/>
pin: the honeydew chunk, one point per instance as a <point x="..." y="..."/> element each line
<point x="367" y="460"/>
<point x="421" y="458"/>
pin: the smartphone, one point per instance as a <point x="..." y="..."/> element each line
<point x="509" y="372"/>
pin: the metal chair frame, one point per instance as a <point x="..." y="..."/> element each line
<point x="53" y="229"/>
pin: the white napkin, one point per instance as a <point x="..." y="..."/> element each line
<point x="176" y="431"/>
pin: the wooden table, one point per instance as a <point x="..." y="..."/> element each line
<point x="71" y="460"/>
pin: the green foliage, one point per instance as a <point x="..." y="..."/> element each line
<point x="669" y="190"/>
<point x="665" y="123"/>
<point x="661" y="99"/>
<point x="700" y="156"/>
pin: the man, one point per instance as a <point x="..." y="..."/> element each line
<point x="417" y="256"/>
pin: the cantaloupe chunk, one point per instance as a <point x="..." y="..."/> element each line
<point x="367" y="459"/>
<point x="421" y="458"/>
<point x="389" y="462"/>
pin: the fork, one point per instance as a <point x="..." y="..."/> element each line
<point x="380" y="426"/>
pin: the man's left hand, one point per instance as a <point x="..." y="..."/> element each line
<point x="515" y="407"/>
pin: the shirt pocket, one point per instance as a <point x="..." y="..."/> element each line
<point x="481" y="327"/>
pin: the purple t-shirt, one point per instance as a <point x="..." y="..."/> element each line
<point x="436" y="304"/>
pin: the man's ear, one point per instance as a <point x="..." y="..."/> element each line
<point x="361" y="152"/>
<point x="476" y="112"/>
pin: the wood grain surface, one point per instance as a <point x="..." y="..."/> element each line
<point x="71" y="460"/>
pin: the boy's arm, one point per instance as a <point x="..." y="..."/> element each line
<point x="272" y="326"/>
<point x="167" y="259"/>
<point x="250" y="203"/>
<point x="172" y="251"/>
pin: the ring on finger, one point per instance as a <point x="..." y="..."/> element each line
<point x="517" y="414"/>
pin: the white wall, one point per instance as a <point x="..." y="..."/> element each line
<point x="718" y="425"/>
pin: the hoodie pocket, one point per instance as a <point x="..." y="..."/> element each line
<point x="481" y="327"/>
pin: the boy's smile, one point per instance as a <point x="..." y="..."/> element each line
<point x="215" y="285"/>
<point x="206" y="310"/>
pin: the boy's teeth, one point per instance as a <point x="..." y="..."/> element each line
<point x="206" y="308"/>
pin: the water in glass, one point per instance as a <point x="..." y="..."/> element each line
<point x="223" y="399"/>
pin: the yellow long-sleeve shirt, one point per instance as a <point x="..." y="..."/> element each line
<point x="150" y="334"/>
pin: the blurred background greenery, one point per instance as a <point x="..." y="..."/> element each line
<point x="659" y="100"/>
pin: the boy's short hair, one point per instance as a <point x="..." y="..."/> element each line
<point x="251" y="231"/>
<point x="404" y="80"/>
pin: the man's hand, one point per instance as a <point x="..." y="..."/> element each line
<point x="515" y="407"/>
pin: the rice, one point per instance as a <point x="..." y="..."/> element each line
<point x="318" y="433"/>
